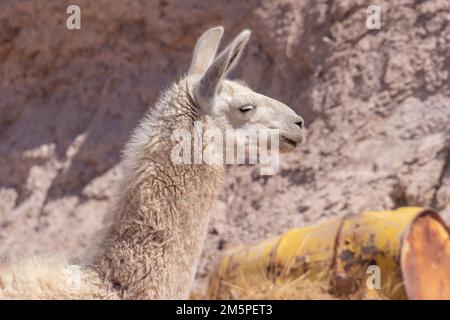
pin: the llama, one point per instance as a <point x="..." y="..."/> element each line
<point x="157" y="228"/>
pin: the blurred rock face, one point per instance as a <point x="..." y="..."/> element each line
<point x="376" y="104"/>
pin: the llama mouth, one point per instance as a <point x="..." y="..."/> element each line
<point x="288" y="144"/>
<point x="290" y="141"/>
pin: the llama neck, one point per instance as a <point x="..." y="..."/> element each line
<point x="160" y="220"/>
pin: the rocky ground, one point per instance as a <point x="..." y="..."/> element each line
<point x="376" y="105"/>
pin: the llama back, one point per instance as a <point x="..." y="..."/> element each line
<point x="48" y="278"/>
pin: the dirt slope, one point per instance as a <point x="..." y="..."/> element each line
<point x="376" y="103"/>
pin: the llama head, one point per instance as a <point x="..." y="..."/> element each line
<point x="232" y="103"/>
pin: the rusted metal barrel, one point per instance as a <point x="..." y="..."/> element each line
<point x="409" y="247"/>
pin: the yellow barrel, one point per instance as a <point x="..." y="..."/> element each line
<point x="403" y="247"/>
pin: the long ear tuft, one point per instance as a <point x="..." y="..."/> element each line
<point x="205" y="50"/>
<point x="221" y="66"/>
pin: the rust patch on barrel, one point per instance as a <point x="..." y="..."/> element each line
<point x="425" y="259"/>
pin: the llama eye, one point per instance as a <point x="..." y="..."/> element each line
<point x="246" y="108"/>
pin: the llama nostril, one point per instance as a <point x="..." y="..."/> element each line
<point x="300" y="124"/>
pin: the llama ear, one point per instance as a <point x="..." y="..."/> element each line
<point x="205" y="50"/>
<point x="206" y="88"/>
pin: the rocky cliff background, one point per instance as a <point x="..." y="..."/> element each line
<point x="376" y="105"/>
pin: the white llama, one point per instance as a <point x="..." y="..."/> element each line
<point x="158" y="226"/>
